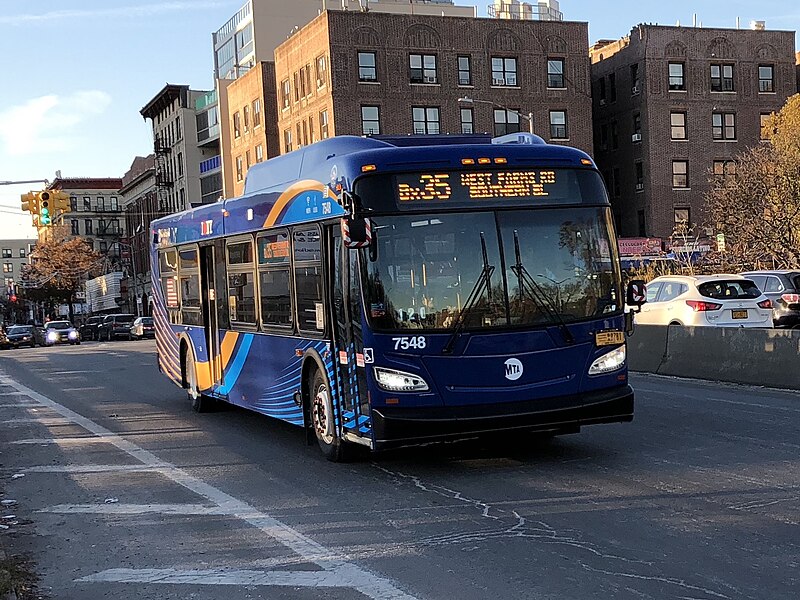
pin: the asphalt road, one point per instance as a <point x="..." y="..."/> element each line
<point x="126" y="493"/>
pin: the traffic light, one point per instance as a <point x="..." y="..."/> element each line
<point x="60" y="201"/>
<point x="45" y="210"/>
<point x="30" y="203"/>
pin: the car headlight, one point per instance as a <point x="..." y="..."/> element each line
<point x="610" y="361"/>
<point x="399" y="381"/>
<point x="52" y="336"/>
<point x="73" y="335"/>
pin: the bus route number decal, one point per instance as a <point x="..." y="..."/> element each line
<point x="404" y="343"/>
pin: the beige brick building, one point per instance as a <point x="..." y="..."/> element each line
<point x="360" y="73"/>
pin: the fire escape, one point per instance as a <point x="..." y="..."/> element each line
<point x="163" y="176"/>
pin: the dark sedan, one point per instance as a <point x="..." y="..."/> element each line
<point x="783" y="289"/>
<point x="60" y="332"/>
<point x="88" y="330"/>
<point x="21" y="335"/>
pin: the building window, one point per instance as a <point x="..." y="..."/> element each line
<point x="612" y="87"/>
<point x="73" y="204"/>
<point x="558" y="125"/>
<point x="766" y="78"/>
<point x="256" y="112"/>
<point x="305" y="133"/>
<point x="180" y="173"/>
<point x="87" y="227"/>
<point x="247" y="162"/>
<point x="7" y="253"/>
<point x="680" y="174"/>
<point x="239" y="169"/>
<point x="682" y="216"/>
<point x="764" y="134"/>
<point x="635" y="79"/>
<point x="677" y="122"/>
<point x="114" y="203"/>
<point x="75" y="228"/>
<point x="423" y="68"/>
<point x="22" y="253"/>
<point x="299" y="136"/>
<point x="237" y="124"/>
<point x="296" y="78"/>
<point x="467" y="121"/>
<point x="504" y="71"/>
<point x="323" y="125"/>
<point x="370" y="120"/>
<point x="259" y="153"/>
<point x="103" y="247"/>
<point x="639" y="172"/>
<point x="723" y="126"/>
<point x="724" y="168"/>
<point x="246" y="115"/>
<point x="285" y="94"/>
<point x="602" y="90"/>
<point x="87" y="204"/>
<point x="676" y="77"/>
<point x="367" y="71"/>
<point x="464" y="71"/>
<point x="555" y="73"/>
<point x="505" y="121"/>
<point x="322" y="71"/>
<point x="8" y="267"/>
<point x="641" y="221"/>
<point x="426" y="119"/>
<point x="722" y="78"/>
<point x="637" y="127"/>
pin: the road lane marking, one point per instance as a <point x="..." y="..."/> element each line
<point x="133" y="509"/>
<point x="82" y="389"/>
<point x="21" y="405"/>
<point x="46" y="421"/>
<point x="62" y="441"/>
<point x="345" y="573"/>
<point x="312" y="579"/>
<point x="90" y="468"/>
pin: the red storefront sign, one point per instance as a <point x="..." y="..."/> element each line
<point x="639" y="246"/>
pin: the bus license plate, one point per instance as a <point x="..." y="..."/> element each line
<point x="739" y="314"/>
<point x="609" y="338"/>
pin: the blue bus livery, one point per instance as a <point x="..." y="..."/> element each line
<point x="395" y="291"/>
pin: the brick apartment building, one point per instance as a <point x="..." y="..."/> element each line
<point x="673" y="107"/>
<point x="362" y="73"/>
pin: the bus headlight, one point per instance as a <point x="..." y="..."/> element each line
<point x="610" y="361"/>
<point x="399" y="381"/>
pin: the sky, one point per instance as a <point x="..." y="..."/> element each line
<point x="77" y="72"/>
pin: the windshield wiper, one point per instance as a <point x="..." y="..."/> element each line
<point x="484" y="281"/>
<point x="542" y="301"/>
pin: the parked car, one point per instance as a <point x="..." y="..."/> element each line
<point x="88" y="330"/>
<point x="4" y="343"/>
<point x="143" y="327"/>
<point x="60" y="332"/>
<point x="783" y="289"/>
<point x="115" y="326"/>
<point x="705" y="300"/>
<point x="21" y="335"/>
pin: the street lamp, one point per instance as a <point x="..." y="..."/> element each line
<point x="529" y="116"/>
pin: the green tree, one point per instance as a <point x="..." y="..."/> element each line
<point x="757" y="208"/>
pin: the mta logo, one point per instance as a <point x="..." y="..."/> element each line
<point x="513" y="369"/>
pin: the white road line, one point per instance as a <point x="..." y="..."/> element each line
<point x="89" y="468"/>
<point x="46" y="421"/>
<point x="133" y="509"/>
<point x="12" y="394"/>
<point x="348" y="574"/>
<point x="221" y="577"/>
<point x="63" y="441"/>
<point x="21" y="405"/>
<point x="82" y="389"/>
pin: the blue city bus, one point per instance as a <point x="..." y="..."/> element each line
<point x="390" y="291"/>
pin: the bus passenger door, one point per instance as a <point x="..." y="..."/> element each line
<point x="348" y="341"/>
<point x="209" y="298"/>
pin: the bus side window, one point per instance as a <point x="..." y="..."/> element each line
<point x="307" y="253"/>
<point x="273" y="274"/>
<point x="241" y="282"/>
<point x="189" y="278"/>
<point x="168" y="265"/>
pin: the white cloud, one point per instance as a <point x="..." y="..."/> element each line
<point x="48" y="123"/>
<point x="146" y="10"/>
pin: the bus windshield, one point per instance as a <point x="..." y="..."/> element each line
<point x="428" y="266"/>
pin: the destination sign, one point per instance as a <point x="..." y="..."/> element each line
<point x="480" y="185"/>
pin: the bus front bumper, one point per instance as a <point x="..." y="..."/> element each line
<point x="394" y="426"/>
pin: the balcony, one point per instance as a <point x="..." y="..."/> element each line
<point x="211" y="164"/>
<point x="160" y="145"/>
<point x="164" y="179"/>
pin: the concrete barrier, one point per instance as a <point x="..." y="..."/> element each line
<point x="768" y="357"/>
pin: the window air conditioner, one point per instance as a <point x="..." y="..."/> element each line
<point x="429" y="79"/>
<point x="602" y="101"/>
<point x="498" y="81"/>
<point x="639" y="187"/>
<point x="463" y="82"/>
<point x="634" y="90"/>
<point x="636" y="137"/>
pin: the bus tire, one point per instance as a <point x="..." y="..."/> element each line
<point x="200" y="402"/>
<point x="321" y="412"/>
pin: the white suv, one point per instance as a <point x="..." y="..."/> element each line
<point x="705" y="300"/>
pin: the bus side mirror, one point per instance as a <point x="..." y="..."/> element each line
<point x="636" y="294"/>
<point x="356" y="232"/>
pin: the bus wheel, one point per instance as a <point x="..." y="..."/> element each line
<point x="200" y="403"/>
<point x="331" y="445"/>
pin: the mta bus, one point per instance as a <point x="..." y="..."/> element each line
<point x="391" y="291"/>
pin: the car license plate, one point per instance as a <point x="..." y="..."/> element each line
<point x="739" y="314"/>
<point x="609" y="338"/>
